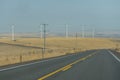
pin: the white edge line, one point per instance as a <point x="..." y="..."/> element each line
<point x="10" y="68"/>
<point x="114" y="56"/>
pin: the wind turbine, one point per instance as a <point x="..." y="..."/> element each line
<point x="83" y="31"/>
<point x="41" y="31"/>
<point x="13" y="33"/>
<point x="66" y="30"/>
<point x="93" y="33"/>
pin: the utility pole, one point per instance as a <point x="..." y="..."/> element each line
<point x="13" y="33"/>
<point x="44" y="43"/>
<point x="66" y="30"/>
<point x="76" y="35"/>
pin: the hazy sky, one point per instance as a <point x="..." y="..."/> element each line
<point x="27" y="15"/>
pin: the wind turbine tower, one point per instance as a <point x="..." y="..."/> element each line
<point x="41" y="31"/>
<point x="83" y="31"/>
<point x="13" y="33"/>
<point x="93" y="33"/>
<point x="66" y="30"/>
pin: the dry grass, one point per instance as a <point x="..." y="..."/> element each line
<point x="88" y="43"/>
<point x="10" y="54"/>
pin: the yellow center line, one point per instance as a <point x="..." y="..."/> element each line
<point x="50" y="74"/>
<point x="67" y="66"/>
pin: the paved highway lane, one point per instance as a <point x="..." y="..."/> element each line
<point x="101" y="66"/>
<point x="90" y="65"/>
<point x="38" y="69"/>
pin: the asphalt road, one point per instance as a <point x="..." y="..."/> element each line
<point x="89" y="65"/>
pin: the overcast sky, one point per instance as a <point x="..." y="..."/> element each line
<point x="27" y="15"/>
